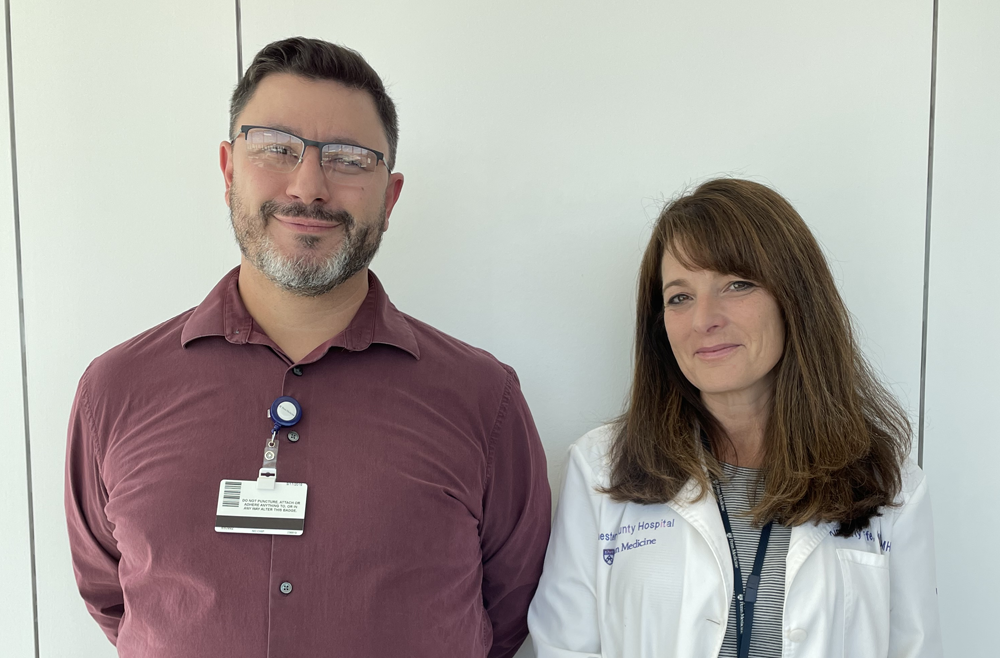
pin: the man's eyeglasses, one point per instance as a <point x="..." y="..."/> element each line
<point x="281" y="152"/>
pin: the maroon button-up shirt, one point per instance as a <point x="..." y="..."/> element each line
<point x="428" y="510"/>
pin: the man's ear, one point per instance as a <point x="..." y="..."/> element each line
<point x="392" y="191"/>
<point x="226" y="164"/>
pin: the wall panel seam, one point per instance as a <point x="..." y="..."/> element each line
<point x="927" y="240"/>
<point x="239" y="42"/>
<point x="20" y="308"/>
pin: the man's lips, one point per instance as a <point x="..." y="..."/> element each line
<point x="306" y="225"/>
<point x="720" y="351"/>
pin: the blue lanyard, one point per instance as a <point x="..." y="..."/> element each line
<point x="745" y="600"/>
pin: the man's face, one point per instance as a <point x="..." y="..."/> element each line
<point x="305" y="232"/>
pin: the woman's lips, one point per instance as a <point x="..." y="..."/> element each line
<point x="713" y="352"/>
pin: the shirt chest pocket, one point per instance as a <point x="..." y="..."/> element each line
<point x="866" y="603"/>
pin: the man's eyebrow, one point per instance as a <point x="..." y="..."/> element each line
<point x="675" y="282"/>
<point x="282" y="127"/>
<point x="336" y="140"/>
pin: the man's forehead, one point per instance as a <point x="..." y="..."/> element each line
<point x="320" y="109"/>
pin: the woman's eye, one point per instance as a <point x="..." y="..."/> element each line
<point x="676" y="299"/>
<point x="740" y="286"/>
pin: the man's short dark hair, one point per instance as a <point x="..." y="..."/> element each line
<point x="318" y="60"/>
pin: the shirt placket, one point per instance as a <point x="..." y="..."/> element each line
<point x="289" y="583"/>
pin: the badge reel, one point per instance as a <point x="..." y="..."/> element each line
<point x="285" y="412"/>
<point x="265" y="506"/>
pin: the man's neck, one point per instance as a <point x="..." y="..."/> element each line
<point x="297" y="324"/>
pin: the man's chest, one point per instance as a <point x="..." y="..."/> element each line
<point x="391" y="467"/>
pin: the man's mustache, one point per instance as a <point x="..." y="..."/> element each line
<point x="269" y="209"/>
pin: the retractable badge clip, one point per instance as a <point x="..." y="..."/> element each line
<point x="285" y="412"/>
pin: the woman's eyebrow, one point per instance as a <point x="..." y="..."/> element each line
<point x="675" y="282"/>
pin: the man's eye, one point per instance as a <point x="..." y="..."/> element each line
<point x="278" y="149"/>
<point x="345" y="162"/>
<point x="348" y="161"/>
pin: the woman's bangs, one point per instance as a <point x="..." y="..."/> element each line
<point x="703" y="244"/>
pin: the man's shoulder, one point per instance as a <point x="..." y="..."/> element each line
<point x="140" y="354"/>
<point x="453" y="355"/>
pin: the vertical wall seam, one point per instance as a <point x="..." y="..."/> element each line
<point x="927" y="240"/>
<point x="239" y="43"/>
<point x="20" y="309"/>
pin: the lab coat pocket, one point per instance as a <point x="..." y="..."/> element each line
<point x="866" y="603"/>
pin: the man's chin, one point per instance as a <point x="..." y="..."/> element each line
<point x="324" y="245"/>
<point x="310" y="254"/>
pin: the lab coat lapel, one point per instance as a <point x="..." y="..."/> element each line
<point x="804" y="540"/>
<point x="703" y="515"/>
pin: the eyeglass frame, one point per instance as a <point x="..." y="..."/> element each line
<point x="379" y="156"/>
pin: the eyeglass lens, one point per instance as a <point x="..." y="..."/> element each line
<point x="278" y="151"/>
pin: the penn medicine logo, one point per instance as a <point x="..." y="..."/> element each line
<point x="609" y="556"/>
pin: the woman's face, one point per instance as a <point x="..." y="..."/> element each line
<point x="726" y="333"/>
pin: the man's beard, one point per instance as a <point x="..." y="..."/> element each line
<point x="302" y="275"/>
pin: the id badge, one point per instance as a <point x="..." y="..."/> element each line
<point x="246" y="508"/>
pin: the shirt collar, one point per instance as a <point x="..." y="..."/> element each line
<point x="222" y="313"/>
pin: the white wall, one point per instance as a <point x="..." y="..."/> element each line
<point x="963" y="389"/>
<point x="516" y="231"/>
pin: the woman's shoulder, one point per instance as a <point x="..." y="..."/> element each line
<point x="912" y="502"/>
<point x="914" y="483"/>
<point x="592" y="452"/>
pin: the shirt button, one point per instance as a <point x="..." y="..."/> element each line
<point x="297" y="370"/>
<point x="293" y="436"/>
<point x="286" y="587"/>
<point x="797" y="635"/>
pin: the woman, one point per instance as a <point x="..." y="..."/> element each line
<point x="752" y="415"/>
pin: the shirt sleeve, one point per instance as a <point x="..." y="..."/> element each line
<point x="564" y="618"/>
<point x="517" y="509"/>
<point x="914" y="625"/>
<point x="91" y="535"/>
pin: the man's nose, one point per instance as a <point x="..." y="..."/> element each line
<point x="308" y="183"/>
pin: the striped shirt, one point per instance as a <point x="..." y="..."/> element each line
<point x="766" y="636"/>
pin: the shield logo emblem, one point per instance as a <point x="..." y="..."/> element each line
<point x="609" y="555"/>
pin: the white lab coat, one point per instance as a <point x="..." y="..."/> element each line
<point x="667" y="590"/>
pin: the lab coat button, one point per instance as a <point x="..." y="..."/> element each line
<point x="797" y="635"/>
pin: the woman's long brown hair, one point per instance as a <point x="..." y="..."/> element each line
<point x="836" y="438"/>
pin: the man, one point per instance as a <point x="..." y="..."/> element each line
<point x="297" y="386"/>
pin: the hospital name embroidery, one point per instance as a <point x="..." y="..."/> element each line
<point x="609" y="553"/>
<point x="631" y="529"/>
<point x="869" y="536"/>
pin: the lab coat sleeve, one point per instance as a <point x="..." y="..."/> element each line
<point x="91" y="536"/>
<point x="914" y="627"/>
<point x="563" y="618"/>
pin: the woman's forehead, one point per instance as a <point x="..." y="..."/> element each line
<point x="678" y="253"/>
<point x="678" y="261"/>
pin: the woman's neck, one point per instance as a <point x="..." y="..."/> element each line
<point x="744" y="418"/>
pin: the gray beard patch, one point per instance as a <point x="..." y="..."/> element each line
<point x="303" y="275"/>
